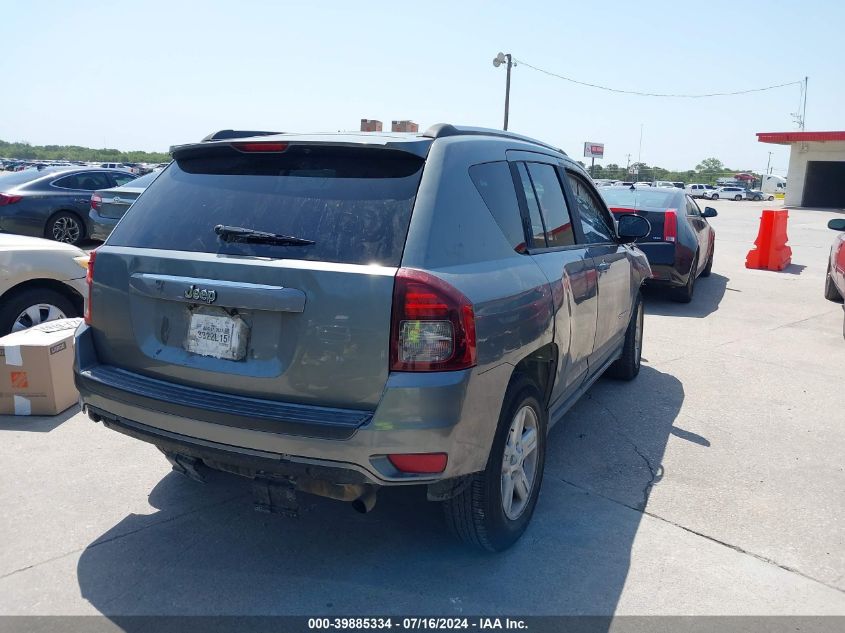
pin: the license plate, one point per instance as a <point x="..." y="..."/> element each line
<point x="217" y="335"/>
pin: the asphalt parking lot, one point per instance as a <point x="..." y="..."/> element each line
<point x="712" y="484"/>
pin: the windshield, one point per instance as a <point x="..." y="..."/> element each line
<point x="354" y="204"/>
<point x="641" y="198"/>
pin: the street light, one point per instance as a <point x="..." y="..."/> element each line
<point x="500" y="59"/>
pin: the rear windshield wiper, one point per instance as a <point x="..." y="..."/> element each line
<point x="241" y="234"/>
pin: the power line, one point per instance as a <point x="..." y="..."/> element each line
<point x="657" y="94"/>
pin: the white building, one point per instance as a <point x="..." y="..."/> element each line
<point x="816" y="176"/>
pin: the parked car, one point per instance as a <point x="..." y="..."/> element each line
<point x="834" y="284"/>
<point x="756" y="194"/>
<point x="663" y="183"/>
<point x="728" y="193"/>
<point x="699" y="190"/>
<point x="131" y="168"/>
<point x="109" y="205"/>
<point x="40" y="280"/>
<point x="337" y="315"/>
<point x="679" y="185"/>
<point x="681" y="243"/>
<point x="53" y="202"/>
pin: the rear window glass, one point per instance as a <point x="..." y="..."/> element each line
<point x="495" y="184"/>
<point x="354" y="204"/>
<point x="641" y="198"/>
<point x="15" y="178"/>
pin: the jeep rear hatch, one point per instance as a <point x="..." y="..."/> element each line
<point x="289" y="301"/>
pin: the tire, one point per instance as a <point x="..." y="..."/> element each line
<point x="715" y="196"/>
<point x="709" y="267"/>
<point x="477" y="515"/>
<point x="770" y="198"/>
<point x="43" y="304"/>
<point x="66" y="227"/>
<point x="628" y="365"/>
<point x="684" y="293"/>
<point x="831" y="292"/>
<point x="737" y="198"/>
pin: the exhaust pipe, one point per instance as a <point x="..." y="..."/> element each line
<point x="362" y="496"/>
<point x="366" y="501"/>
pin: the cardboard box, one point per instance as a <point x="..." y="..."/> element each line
<point x="36" y="369"/>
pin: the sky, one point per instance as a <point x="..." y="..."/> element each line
<point x="148" y="75"/>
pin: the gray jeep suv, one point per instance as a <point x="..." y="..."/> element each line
<point x="330" y="314"/>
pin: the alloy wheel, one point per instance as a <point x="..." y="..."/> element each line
<point x="38" y="313"/>
<point x="66" y="229"/>
<point x="519" y="462"/>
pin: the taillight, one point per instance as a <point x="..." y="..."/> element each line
<point x="6" y="198"/>
<point x="617" y="210"/>
<point x="260" y="147"/>
<point x="96" y="201"/>
<point x="432" y="325"/>
<point x="419" y="463"/>
<point x="670" y="225"/>
<point x="89" y="279"/>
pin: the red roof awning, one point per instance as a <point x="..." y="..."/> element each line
<point x="787" y="138"/>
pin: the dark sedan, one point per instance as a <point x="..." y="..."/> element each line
<point x="53" y="203"/>
<point x="109" y="205"/>
<point x="681" y="243"/>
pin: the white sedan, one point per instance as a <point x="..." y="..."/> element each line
<point x="40" y="280"/>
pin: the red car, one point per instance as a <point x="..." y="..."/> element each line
<point x="834" y="285"/>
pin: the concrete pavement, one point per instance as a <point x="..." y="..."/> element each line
<point x="712" y="484"/>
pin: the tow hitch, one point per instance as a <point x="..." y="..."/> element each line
<point x="275" y="496"/>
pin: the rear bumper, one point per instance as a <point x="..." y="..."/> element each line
<point x="99" y="228"/>
<point x="450" y="412"/>
<point x="662" y="256"/>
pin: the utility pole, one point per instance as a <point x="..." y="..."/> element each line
<point x="500" y="59"/>
<point x="640" y="153"/>
<point x="804" y="109"/>
<point x="768" y="164"/>
<point x="628" y="165"/>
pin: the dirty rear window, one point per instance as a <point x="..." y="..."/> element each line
<point x="354" y="204"/>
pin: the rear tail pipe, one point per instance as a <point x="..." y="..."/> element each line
<point x="366" y="501"/>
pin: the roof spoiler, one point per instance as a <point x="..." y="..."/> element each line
<point x="223" y="135"/>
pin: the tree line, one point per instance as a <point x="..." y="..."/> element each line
<point x="706" y="172"/>
<point x="26" y="151"/>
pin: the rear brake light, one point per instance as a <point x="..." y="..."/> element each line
<point x="432" y="325"/>
<point x="96" y="202"/>
<point x="260" y="147"/>
<point x="6" y="198"/>
<point x="89" y="279"/>
<point x="670" y="225"/>
<point x="419" y="463"/>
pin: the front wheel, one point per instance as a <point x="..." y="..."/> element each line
<point x="770" y="198"/>
<point x="737" y="198"/>
<point x="32" y="307"/>
<point x="493" y="511"/>
<point x="709" y="267"/>
<point x="715" y="196"/>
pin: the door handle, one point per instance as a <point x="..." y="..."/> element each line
<point x="603" y="267"/>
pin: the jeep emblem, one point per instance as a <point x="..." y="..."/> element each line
<point x="201" y="294"/>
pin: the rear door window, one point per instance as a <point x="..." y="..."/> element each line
<point x="355" y="204"/>
<point x="122" y="179"/>
<point x="85" y="181"/>
<point x="538" y="229"/>
<point x="495" y="184"/>
<point x="553" y="205"/>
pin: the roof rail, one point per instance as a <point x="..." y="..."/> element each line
<point x="227" y="134"/>
<point x="443" y="130"/>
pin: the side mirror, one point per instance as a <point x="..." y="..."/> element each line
<point x="632" y="227"/>
<point x="709" y="212"/>
<point x="837" y="225"/>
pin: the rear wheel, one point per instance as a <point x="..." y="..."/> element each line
<point x="65" y="227"/>
<point x="685" y="292"/>
<point x="770" y="198"/>
<point x="737" y="197"/>
<point x="32" y="307"/>
<point x="709" y="267"/>
<point x="831" y="292"/>
<point x="493" y="511"/>
<point x="715" y="196"/>
<point x="628" y="365"/>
